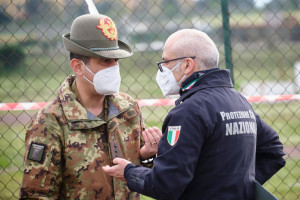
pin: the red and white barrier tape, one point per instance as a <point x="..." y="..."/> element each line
<point x="273" y="98"/>
<point x="148" y="102"/>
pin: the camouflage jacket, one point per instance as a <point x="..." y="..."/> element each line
<point x="66" y="148"/>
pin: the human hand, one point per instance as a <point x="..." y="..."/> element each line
<point x="117" y="170"/>
<point x="151" y="137"/>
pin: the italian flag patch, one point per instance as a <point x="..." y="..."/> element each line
<point x="173" y="134"/>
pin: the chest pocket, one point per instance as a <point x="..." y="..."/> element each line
<point x="125" y="130"/>
<point x="124" y="123"/>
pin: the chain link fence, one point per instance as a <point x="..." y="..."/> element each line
<point x="264" y="60"/>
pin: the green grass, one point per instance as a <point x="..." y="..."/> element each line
<point x="39" y="83"/>
<point x="263" y="61"/>
<point x="284" y="118"/>
<point x="286" y="184"/>
<point x="45" y="68"/>
<point x="41" y="75"/>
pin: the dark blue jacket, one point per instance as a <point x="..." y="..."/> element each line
<point x="222" y="147"/>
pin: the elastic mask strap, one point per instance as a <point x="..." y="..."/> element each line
<point x="89" y="71"/>
<point x="181" y="79"/>
<point x="87" y="68"/>
<point x="178" y="64"/>
<point x="88" y="80"/>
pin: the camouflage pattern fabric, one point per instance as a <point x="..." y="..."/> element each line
<point x="66" y="149"/>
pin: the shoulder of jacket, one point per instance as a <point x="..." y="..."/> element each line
<point x="52" y="108"/>
<point x="124" y="96"/>
<point x="50" y="116"/>
<point x="197" y="104"/>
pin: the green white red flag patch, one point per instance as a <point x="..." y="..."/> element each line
<point x="173" y="134"/>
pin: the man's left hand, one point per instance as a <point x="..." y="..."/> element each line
<point x="151" y="137"/>
<point x="117" y="170"/>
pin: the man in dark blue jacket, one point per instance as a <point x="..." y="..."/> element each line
<point x="214" y="145"/>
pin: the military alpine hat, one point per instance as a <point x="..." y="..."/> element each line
<point x="95" y="35"/>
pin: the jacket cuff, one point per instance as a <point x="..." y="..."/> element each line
<point x="127" y="168"/>
<point x="135" y="177"/>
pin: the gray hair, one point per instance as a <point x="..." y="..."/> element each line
<point x="192" y="42"/>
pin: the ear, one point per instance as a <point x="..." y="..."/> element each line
<point x="189" y="66"/>
<point x="77" y="66"/>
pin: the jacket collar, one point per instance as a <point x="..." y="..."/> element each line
<point x="77" y="115"/>
<point x="211" y="79"/>
<point x="191" y="80"/>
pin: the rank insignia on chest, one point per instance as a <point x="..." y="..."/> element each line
<point x="36" y="152"/>
<point x="173" y="134"/>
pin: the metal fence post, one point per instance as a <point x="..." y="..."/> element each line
<point x="226" y="33"/>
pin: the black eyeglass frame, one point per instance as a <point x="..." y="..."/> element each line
<point x="166" y="61"/>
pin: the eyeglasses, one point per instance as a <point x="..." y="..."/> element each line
<point x="159" y="64"/>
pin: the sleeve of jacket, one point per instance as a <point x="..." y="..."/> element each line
<point x="269" y="152"/>
<point x="42" y="160"/>
<point x="175" y="165"/>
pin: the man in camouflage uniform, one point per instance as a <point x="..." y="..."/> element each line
<point x="88" y="124"/>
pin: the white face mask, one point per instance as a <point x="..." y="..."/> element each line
<point x="167" y="82"/>
<point x="106" y="81"/>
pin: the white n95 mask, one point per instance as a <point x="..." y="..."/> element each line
<point x="106" y="81"/>
<point x="167" y="82"/>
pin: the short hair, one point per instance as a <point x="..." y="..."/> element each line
<point x="192" y="42"/>
<point x="84" y="59"/>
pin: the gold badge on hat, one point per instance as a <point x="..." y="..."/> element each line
<point x="108" y="28"/>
